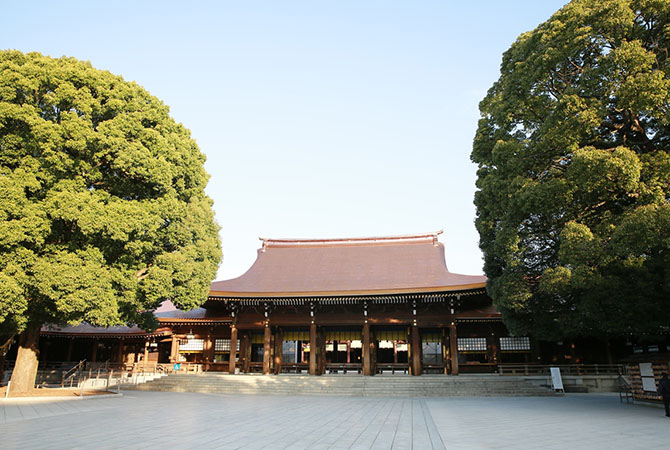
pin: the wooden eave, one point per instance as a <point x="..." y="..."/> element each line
<point x="173" y="321"/>
<point x="106" y="335"/>
<point x="287" y="299"/>
<point x="451" y="291"/>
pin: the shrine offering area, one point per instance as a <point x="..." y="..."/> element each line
<point x="188" y="420"/>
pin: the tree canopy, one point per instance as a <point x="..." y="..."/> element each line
<point x="573" y="149"/>
<point x="103" y="213"/>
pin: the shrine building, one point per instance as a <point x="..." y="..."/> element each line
<point x="367" y="305"/>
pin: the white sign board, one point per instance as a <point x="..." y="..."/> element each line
<point x="646" y="370"/>
<point x="648" y="384"/>
<point x="556" y="380"/>
<point x="647" y="375"/>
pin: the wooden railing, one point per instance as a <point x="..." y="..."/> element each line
<point x="393" y="367"/>
<point x="69" y="375"/>
<point x="294" y="367"/>
<point x="343" y="367"/>
<point x="255" y="367"/>
<point x="566" y="369"/>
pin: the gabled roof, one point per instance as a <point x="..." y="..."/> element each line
<point x="358" y="266"/>
<point x="87" y="330"/>
<point x="167" y="314"/>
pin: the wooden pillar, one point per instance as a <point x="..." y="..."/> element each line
<point x="146" y="353"/>
<point x="119" y="356"/>
<point x="279" y="351"/>
<point x="312" y="349"/>
<point x="267" y="349"/>
<point x="94" y="350"/>
<point x="44" y="347"/>
<point x="494" y="345"/>
<point x="208" y="351"/>
<point x="233" y="348"/>
<point x="416" y="351"/>
<point x="348" y="352"/>
<point x="321" y="351"/>
<point x="535" y="353"/>
<point x="608" y="352"/>
<point x="245" y="352"/>
<point x="453" y="344"/>
<point x="174" y="350"/>
<point x="69" y="350"/>
<point x="445" y="351"/>
<point x="367" y="350"/>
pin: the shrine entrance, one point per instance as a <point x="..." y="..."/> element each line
<point x="343" y="350"/>
<point x="392" y="350"/>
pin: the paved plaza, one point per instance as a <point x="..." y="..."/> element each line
<point x="186" y="420"/>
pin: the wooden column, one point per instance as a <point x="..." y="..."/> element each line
<point x="119" y="356"/>
<point x="208" y="351"/>
<point x="453" y="344"/>
<point x="233" y="348"/>
<point x="44" y="346"/>
<point x="146" y="352"/>
<point x="608" y="352"/>
<point x="279" y="351"/>
<point x="312" y="349"/>
<point x="174" y="350"/>
<point x="321" y="351"/>
<point x="69" y="349"/>
<point x="445" y="351"/>
<point x="493" y="349"/>
<point x="267" y="349"/>
<point x="535" y="354"/>
<point x="367" y="350"/>
<point x="94" y="351"/>
<point x="416" y="351"/>
<point x="245" y="352"/>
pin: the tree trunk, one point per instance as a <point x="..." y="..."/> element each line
<point x="25" y="369"/>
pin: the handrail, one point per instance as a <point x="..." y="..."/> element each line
<point x="625" y="389"/>
<point x="70" y="373"/>
<point x="566" y="369"/>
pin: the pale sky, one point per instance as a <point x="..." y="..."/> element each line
<point x="319" y="119"/>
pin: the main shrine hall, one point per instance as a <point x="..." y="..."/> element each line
<point x="361" y="305"/>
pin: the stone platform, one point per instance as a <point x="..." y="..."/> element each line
<point x="349" y="385"/>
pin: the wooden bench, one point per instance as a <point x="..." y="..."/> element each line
<point x="393" y="367"/>
<point x="343" y="367"/>
<point x="294" y="367"/>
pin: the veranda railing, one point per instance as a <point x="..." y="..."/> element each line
<point x="566" y="369"/>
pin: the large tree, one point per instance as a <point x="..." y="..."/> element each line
<point x="573" y="149"/>
<point x="103" y="213"/>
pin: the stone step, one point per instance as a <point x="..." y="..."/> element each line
<point x="380" y="386"/>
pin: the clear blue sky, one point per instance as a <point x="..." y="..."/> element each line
<point x="318" y="119"/>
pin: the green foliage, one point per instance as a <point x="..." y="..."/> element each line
<point x="103" y="213"/>
<point x="573" y="149"/>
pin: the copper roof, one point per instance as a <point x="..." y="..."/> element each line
<point x="85" y="329"/>
<point x="357" y="266"/>
<point x="167" y="314"/>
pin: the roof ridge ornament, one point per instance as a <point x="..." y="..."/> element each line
<point x="277" y="242"/>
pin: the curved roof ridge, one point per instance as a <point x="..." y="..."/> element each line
<point x="351" y="240"/>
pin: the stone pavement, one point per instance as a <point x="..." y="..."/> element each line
<point x="189" y="420"/>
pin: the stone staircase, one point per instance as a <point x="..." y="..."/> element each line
<point x="348" y="385"/>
